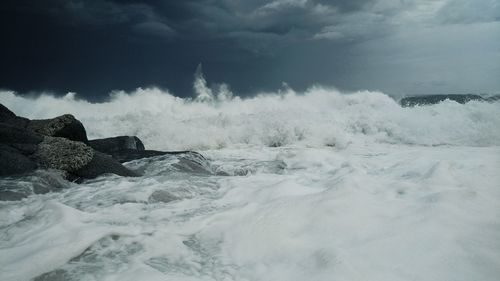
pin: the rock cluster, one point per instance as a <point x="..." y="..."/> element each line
<point x="60" y="143"/>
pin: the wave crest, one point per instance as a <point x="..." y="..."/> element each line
<point x="316" y="117"/>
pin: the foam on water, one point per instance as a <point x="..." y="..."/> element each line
<point x="379" y="212"/>
<point x="317" y="117"/>
<point x="296" y="186"/>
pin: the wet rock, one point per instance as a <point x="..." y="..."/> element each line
<point x="8" y="117"/>
<point x="110" y="145"/>
<point x="10" y="134"/>
<point x="126" y="155"/>
<point x="63" y="154"/>
<point x="5" y="113"/>
<point x="64" y="126"/>
<point x="434" y="99"/>
<point x="61" y="143"/>
<point x="103" y="164"/>
<point x="14" y="162"/>
<point x="25" y="148"/>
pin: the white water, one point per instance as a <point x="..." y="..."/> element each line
<point x="357" y="189"/>
<point x="315" y="118"/>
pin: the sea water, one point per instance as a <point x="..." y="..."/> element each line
<point x="319" y="185"/>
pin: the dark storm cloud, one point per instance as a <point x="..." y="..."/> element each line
<point x="92" y="47"/>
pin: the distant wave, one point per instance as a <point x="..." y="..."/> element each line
<point x="434" y="99"/>
<point x="317" y="117"/>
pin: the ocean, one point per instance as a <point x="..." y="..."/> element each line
<point x="319" y="185"/>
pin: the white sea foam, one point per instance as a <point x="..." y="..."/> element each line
<point x="357" y="188"/>
<point x="378" y="212"/>
<point x="317" y="117"/>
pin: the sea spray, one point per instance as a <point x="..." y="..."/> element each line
<point x="317" y="117"/>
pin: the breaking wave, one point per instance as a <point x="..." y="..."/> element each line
<point x="314" y="118"/>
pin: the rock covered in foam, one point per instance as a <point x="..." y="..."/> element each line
<point x="65" y="126"/>
<point x="16" y="187"/>
<point x="63" y="154"/>
<point x="61" y="143"/>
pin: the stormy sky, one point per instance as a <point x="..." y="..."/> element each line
<point x="400" y="47"/>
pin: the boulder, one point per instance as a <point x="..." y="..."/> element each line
<point x="109" y="145"/>
<point x="126" y="155"/>
<point x="11" y="134"/>
<point x="14" y="162"/>
<point x="65" y="126"/>
<point x="25" y="148"/>
<point x="77" y="158"/>
<point x="8" y="117"/>
<point x="103" y="164"/>
<point x="63" y="154"/>
<point x="5" y="113"/>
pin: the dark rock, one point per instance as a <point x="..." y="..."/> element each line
<point x="109" y="145"/>
<point x="126" y="155"/>
<point x="19" y="122"/>
<point x="14" y="162"/>
<point x="434" y="99"/>
<point x="10" y="134"/>
<point x="5" y="113"/>
<point x="102" y="164"/>
<point x="25" y="148"/>
<point x="8" y="117"/>
<point x="64" y="126"/>
<point x="63" y="154"/>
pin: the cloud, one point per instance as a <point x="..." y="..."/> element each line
<point x="291" y="19"/>
<point x="154" y="28"/>
<point x="281" y="4"/>
<point x="101" y="12"/>
<point x="352" y="44"/>
<point x="466" y="11"/>
<point x="354" y="27"/>
<point x="385" y="17"/>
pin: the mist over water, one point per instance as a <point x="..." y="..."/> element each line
<point x="317" y="185"/>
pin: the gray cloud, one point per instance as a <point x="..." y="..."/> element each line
<point x="398" y="46"/>
<point x="154" y="28"/>
<point x="466" y="12"/>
